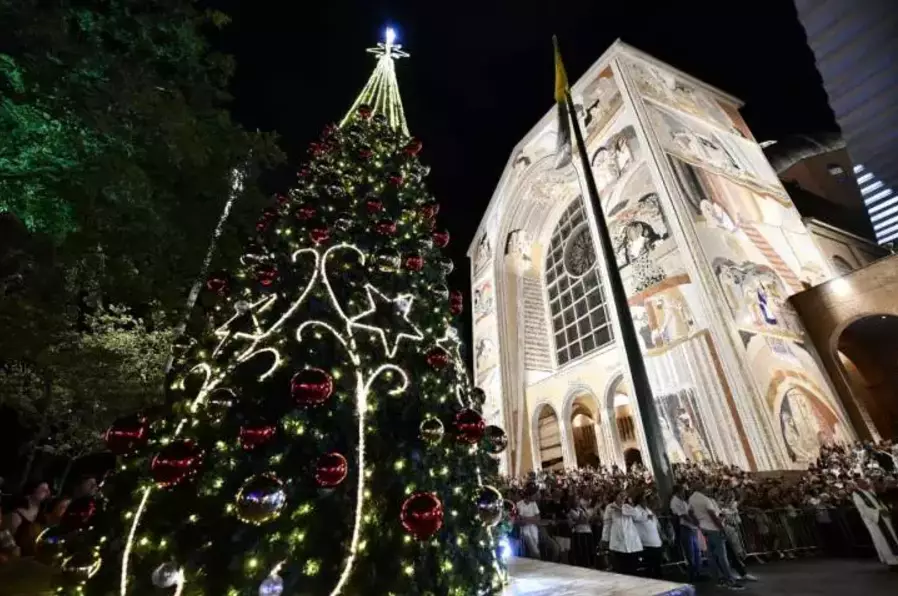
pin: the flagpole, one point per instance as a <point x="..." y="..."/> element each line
<point x="641" y="387"/>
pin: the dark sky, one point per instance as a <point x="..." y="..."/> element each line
<point x="481" y="75"/>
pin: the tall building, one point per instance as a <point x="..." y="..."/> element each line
<point x="709" y="246"/>
<point x="855" y="47"/>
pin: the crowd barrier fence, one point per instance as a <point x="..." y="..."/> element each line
<point x="754" y="535"/>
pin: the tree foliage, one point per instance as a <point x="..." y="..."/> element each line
<point x="115" y="139"/>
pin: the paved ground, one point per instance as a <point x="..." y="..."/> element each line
<point x="818" y="577"/>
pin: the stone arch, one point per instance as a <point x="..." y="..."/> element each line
<point x="865" y="350"/>
<point x="529" y="195"/>
<point x="580" y="404"/>
<point x="547" y="436"/>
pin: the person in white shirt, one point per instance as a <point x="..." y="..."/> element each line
<point x="619" y="535"/>
<point x="687" y="531"/>
<point x="646" y="525"/>
<point x="583" y="545"/>
<point x="528" y="521"/>
<point x="878" y="521"/>
<point x="710" y="523"/>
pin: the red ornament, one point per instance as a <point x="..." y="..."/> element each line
<point x="304" y="172"/>
<point x="331" y="470"/>
<point x="441" y="239"/>
<point x="266" y="274"/>
<point x="414" y="262"/>
<point x="127" y="435"/>
<point x="456" y="308"/>
<point x="365" y="112"/>
<point x="305" y="212"/>
<point x="430" y="210"/>
<point x="311" y="387"/>
<point x="438" y="358"/>
<point x="175" y="463"/>
<point x="256" y="435"/>
<point x="422" y="515"/>
<point x="328" y="131"/>
<point x="386" y="227"/>
<point x="366" y="153"/>
<point x="374" y="206"/>
<point x="281" y="199"/>
<point x="268" y="216"/>
<point x="396" y="179"/>
<point x="413" y="148"/>
<point x="320" y="234"/>
<point x="469" y="426"/>
<point x="79" y="513"/>
<point x="218" y="284"/>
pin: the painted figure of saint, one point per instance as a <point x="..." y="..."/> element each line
<point x="689" y="436"/>
<point x="675" y="452"/>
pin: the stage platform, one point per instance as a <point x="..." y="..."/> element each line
<point x="530" y="577"/>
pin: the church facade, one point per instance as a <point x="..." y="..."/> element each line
<point x="709" y="247"/>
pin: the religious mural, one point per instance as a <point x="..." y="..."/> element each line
<point x="807" y="424"/>
<point x="682" y="427"/>
<point x="613" y="159"/>
<point x="484" y="303"/>
<point x="600" y="101"/>
<point x="702" y="145"/>
<point x="667" y="88"/>
<point x="756" y="296"/>
<point x="662" y="318"/>
<point x="517" y="251"/>
<point x="484" y="253"/>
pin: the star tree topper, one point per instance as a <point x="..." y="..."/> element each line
<point x="395" y="310"/>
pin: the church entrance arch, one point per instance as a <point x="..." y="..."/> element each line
<point x="867" y="354"/>
<point x="581" y="411"/>
<point x="622" y="418"/>
<point x="547" y="435"/>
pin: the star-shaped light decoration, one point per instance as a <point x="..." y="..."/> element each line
<point x="395" y="310"/>
<point x="249" y="311"/>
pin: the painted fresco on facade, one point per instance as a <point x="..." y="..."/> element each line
<point x="484" y="254"/>
<point x="682" y="427"/>
<point x="484" y="300"/>
<point x="668" y="88"/>
<point x="697" y="143"/>
<point x="598" y="104"/>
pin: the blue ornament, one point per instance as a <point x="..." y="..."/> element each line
<point x="273" y="585"/>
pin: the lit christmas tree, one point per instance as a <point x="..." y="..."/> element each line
<point x="324" y="438"/>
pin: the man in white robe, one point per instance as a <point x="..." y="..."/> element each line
<point x="878" y="521"/>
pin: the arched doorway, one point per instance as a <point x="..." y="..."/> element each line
<point x="623" y="418"/>
<point x="632" y="457"/>
<point x="867" y="352"/>
<point x="583" y="432"/>
<point x="548" y="437"/>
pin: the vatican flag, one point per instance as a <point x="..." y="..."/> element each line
<point x="563" y="144"/>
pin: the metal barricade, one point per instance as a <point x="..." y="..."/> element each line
<point x="760" y="535"/>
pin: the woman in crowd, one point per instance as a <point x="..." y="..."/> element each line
<point x="23" y="522"/>
<point x="619" y="535"/>
<point x="647" y="527"/>
<point x="583" y="546"/>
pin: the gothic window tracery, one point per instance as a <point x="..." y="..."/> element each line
<point x="580" y="320"/>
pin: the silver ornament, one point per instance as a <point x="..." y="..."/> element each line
<point x="166" y="575"/>
<point x="490" y="506"/>
<point x="494" y="440"/>
<point x="261" y="499"/>
<point x="273" y="585"/>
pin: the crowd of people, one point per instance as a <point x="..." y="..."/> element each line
<point x="25" y="515"/>
<point x="561" y="512"/>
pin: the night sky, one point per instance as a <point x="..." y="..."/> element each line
<point x="481" y="75"/>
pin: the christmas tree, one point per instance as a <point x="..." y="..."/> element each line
<point x="324" y="437"/>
